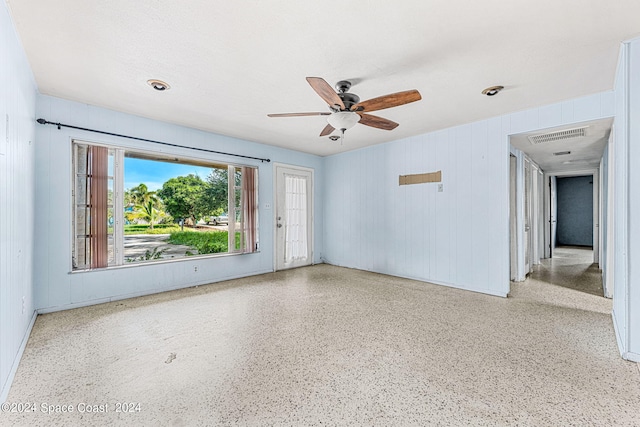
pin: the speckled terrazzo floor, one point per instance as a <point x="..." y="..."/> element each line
<point x="571" y="267"/>
<point x="331" y="346"/>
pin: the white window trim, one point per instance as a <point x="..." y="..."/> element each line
<point x="119" y="204"/>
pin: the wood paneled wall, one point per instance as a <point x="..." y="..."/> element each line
<point x="17" y="211"/>
<point x="458" y="237"/>
<point x="57" y="289"/>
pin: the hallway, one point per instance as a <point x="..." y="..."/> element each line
<point x="571" y="267"/>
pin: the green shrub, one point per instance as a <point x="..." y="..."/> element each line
<point x="144" y="229"/>
<point x="206" y="242"/>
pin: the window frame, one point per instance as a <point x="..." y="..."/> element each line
<point x="121" y="152"/>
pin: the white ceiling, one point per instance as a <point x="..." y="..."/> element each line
<point x="585" y="152"/>
<point x="229" y="63"/>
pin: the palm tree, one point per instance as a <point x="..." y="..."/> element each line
<point x="146" y="205"/>
<point x="138" y="195"/>
<point x="148" y="212"/>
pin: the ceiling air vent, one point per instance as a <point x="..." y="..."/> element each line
<point x="558" y="136"/>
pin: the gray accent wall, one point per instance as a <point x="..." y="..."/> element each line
<point x="575" y="211"/>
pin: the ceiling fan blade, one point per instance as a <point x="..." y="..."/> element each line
<point x="297" y="114"/>
<point x="388" y="101"/>
<point x="325" y="91"/>
<point x="377" y="122"/>
<point x="327" y="130"/>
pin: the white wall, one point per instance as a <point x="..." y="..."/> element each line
<point x="459" y="237"/>
<point x="57" y="288"/>
<point x="624" y="160"/>
<point x="619" y="165"/>
<point x="606" y="220"/>
<point x="17" y="111"/>
<point x="633" y="303"/>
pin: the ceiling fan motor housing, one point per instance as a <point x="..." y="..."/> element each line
<point x="349" y="99"/>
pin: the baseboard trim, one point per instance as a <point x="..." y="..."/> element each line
<point x="97" y="301"/>
<point x="432" y="282"/>
<point x="631" y="357"/>
<point x="16" y="361"/>
<point x="616" y="331"/>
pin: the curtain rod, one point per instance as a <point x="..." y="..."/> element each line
<point x="59" y="125"/>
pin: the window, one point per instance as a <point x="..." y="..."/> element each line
<point x="132" y="207"/>
<point x="295" y="218"/>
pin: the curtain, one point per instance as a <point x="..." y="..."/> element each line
<point x="295" y="218"/>
<point x="250" y="208"/>
<point x="98" y="184"/>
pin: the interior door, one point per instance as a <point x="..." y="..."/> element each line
<point x="527" y="217"/>
<point x="553" y="203"/>
<point x="294" y="217"/>
<point x="513" y="207"/>
<point x="540" y="210"/>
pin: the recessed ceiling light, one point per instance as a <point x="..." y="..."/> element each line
<point x="158" y="84"/>
<point x="493" y="90"/>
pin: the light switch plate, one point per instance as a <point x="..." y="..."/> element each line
<point x="440" y="188"/>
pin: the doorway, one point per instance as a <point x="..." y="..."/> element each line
<point x="575" y="211"/>
<point x="513" y="212"/>
<point x="294" y="216"/>
<point x="526" y="215"/>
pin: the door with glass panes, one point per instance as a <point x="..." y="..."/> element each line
<point x="294" y="217"/>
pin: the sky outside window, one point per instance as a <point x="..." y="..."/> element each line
<point x="154" y="173"/>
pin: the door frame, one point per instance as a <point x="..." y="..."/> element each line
<point x="525" y="253"/>
<point x="276" y="166"/>
<point x="513" y="215"/>
<point x="595" y="174"/>
<point x="527" y="223"/>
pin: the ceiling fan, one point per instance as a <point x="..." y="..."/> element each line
<point x="347" y="110"/>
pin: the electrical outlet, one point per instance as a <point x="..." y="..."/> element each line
<point x="195" y="269"/>
<point x="267" y="205"/>
<point x="23" y="304"/>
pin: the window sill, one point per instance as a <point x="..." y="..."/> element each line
<point x="163" y="261"/>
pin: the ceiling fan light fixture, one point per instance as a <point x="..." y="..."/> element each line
<point x="343" y="120"/>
